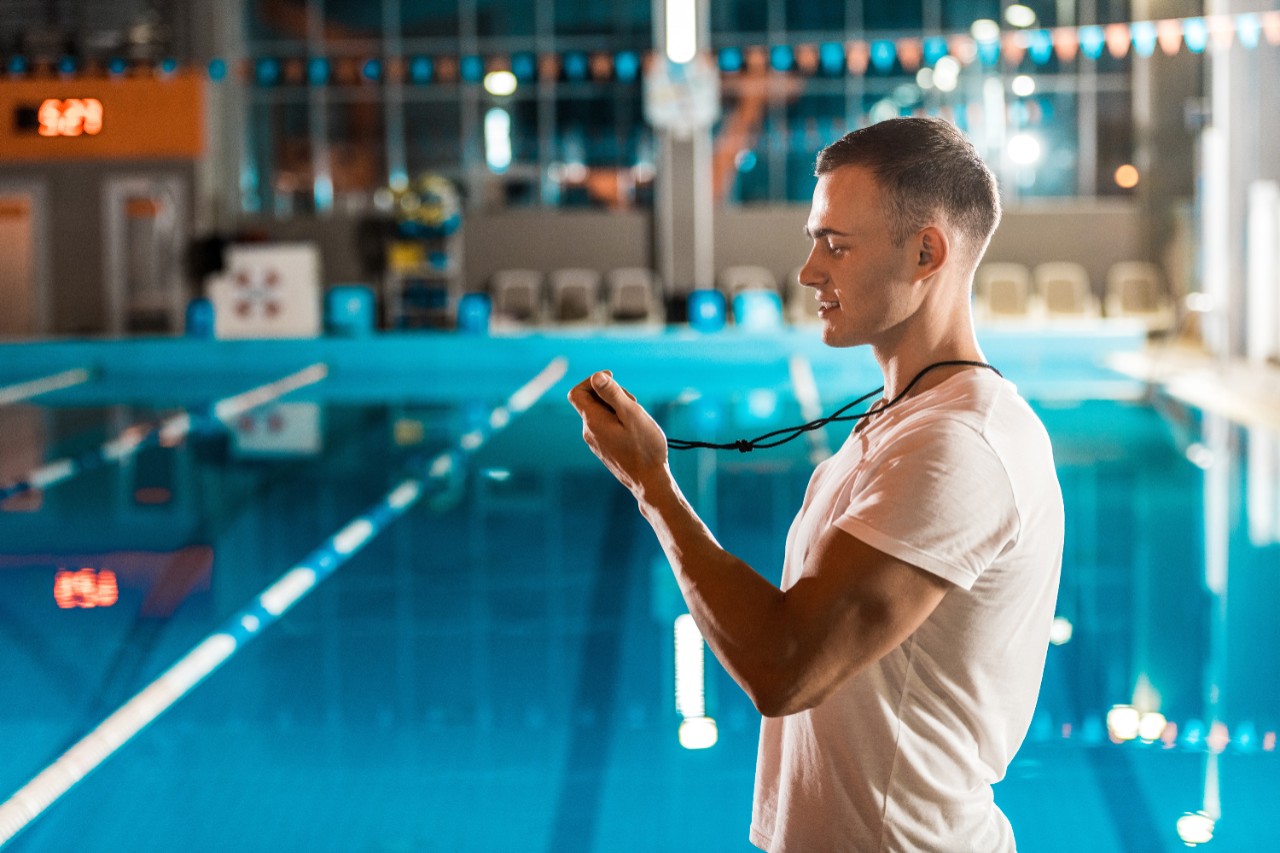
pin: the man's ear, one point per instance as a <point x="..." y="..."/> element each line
<point x="933" y="248"/>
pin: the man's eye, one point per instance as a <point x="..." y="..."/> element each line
<point x="835" y="250"/>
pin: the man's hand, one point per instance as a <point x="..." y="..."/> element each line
<point x="619" y="431"/>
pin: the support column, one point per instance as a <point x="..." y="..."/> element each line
<point x="683" y="204"/>
<point x="683" y="217"/>
<point x="1167" y="95"/>
<point x="1237" y="150"/>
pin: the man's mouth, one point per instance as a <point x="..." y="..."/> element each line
<point x="825" y="306"/>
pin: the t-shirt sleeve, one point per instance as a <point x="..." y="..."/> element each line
<point x="938" y="498"/>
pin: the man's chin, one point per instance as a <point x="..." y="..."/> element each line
<point x="833" y="338"/>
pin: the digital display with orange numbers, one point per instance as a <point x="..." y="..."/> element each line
<point x="85" y="588"/>
<point x="70" y="117"/>
<point x="93" y="119"/>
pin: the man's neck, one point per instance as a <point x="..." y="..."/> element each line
<point x="904" y="364"/>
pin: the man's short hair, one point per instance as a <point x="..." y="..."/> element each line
<point x="924" y="166"/>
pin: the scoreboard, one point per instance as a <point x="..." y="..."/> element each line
<point x="102" y="118"/>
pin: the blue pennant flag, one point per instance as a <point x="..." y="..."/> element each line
<point x="1196" y="34"/>
<point x="935" y="47"/>
<point x="1040" y="46"/>
<point x="626" y="65"/>
<point x="267" y="72"/>
<point x="1144" y="37"/>
<point x="575" y="65"/>
<point x="831" y="56"/>
<point x="731" y="60"/>
<point x="1247" y="27"/>
<point x="525" y="66"/>
<point x="317" y="71"/>
<point x="1092" y="41"/>
<point x="471" y="69"/>
<point x="989" y="52"/>
<point x="883" y="54"/>
<point x="420" y="69"/>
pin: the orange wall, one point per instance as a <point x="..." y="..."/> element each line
<point x="142" y="118"/>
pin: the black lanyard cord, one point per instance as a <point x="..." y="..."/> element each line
<point x="763" y="442"/>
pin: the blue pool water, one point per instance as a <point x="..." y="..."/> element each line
<point x="494" y="671"/>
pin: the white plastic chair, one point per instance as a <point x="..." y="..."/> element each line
<point x="575" y="296"/>
<point x="734" y="280"/>
<point x="1002" y="291"/>
<point x="1136" y="290"/>
<point x="1065" y="291"/>
<point x="517" y="296"/>
<point x="633" y="295"/>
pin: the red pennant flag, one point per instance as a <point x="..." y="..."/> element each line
<point x="1169" y="34"/>
<point x="347" y="71"/>
<point x="1118" y="40"/>
<point x="293" y="72"/>
<point x="1271" y="27"/>
<point x="910" y="52"/>
<point x="963" y="48"/>
<point x="548" y="66"/>
<point x="1222" y="29"/>
<point x="1066" y="43"/>
<point x="1013" y="48"/>
<point x="757" y="59"/>
<point x="807" y="58"/>
<point x="602" y="65"/>
<point x="858" y="54"/>
<point x="396" y="67"/>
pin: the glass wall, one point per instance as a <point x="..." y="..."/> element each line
<point x="347" y="98"/>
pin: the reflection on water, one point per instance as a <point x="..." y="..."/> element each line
<point x="499" y="670"/>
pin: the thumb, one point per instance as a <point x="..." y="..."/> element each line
<point x="607" y="389"/>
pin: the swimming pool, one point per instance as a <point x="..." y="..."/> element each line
<point x="494" y="669"/>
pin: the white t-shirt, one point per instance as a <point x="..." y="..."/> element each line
<point x="959" y="481"/>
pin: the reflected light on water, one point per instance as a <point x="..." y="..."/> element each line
<point x="698" y="733"/>
<point x="1195" y="828"/>
<point x="1061" y="630"/>
<point x="1151" y="726"/>
<point x="1219" y="737"/>
<point x="690" y="695"/>
<point x="1122" y="722"/>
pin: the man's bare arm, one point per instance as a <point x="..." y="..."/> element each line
<point x="788" y="650"/>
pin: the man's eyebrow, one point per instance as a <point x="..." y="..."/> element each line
<point x="823" y="232"/>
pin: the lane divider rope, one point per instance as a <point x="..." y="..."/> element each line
<point x="806" y="391"/>
<point x="20" y="391"/>
<point x="166" y="432"/>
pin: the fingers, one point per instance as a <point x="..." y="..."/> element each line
<point x="613" y="394"/>
<point x="601" y="388"/>
<point x="584" y="398"/>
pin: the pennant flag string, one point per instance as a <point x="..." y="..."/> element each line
<point x="883" y="54"/>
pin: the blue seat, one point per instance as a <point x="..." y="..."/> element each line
<point x="757" y="309"/>
<point x="349" y="310"/>
<point x="706" y="310"/>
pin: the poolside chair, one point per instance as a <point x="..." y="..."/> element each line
<point x="734" y="280"/>
<point x="1136" y="290"/>
<point x="1002" y="291"/>
<point x="633" y="295"/>
<point x="1065" y="291"/>
<point x="517" y="296"/>
<point x="802" y="302"/>
<point x="575" y="295"/>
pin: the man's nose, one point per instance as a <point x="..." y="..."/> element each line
<point x="810" y="275"/>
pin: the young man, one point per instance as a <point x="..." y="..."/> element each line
<point x="897" y="667"/>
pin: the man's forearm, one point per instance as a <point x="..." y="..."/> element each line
<point x="736" y="609"/>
